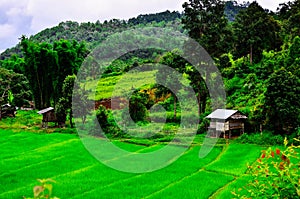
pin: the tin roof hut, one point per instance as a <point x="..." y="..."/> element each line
<point x="224" y="121"/>
<point x="48" y="116"/>
<point x="7" y="110"/>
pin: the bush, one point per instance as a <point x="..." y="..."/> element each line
<point x="204" y="123"/>
<point x="275" y="174"/>
<point x="107" y="123"/>
<point x="137" y="106"/>
<point x="294" y="135"/>
<point x="265" y="138"/>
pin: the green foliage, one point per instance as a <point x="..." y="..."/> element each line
<point x="158" y="17"/>
<point x="64" y="105"/>
<point x="204" y="123"/>
<point x="22" y="120"/>
<point x="232" y="9"/>
<point x="107" y="123"/>
<point x="170" y="79"/>
<point x="289" y="14"/>
<point x="137" y="106"/>
<point x="95" y="33"/>
<point x="206" y="23"/>
<point x="275" y="174"/>
<point x="282" y="101"/>
<point x="255" y="30"/>
<point x="61" y="111"/>
<point x="80" y="102"/>
<point x="13" y="63"/>
<point x="48" y="65"/>
<point x="13" y="88"/>
<point x="40" y="64"/>
<point x="256" y="89"/>
<point x="266" y="138"/>
<point x="293" y="58"/>
<point x="44" y="190"/>
<point x="266" y="91"/>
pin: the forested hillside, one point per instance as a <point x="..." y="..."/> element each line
<point x="94" y="32"/>
<point x="256" y="51"/>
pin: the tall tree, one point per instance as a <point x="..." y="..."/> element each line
<point x="206" y="22"/>
<point x="255" y="30"/>
<point x="13" y="84"/>
<point x="282" y="100"/>
<point x="289" y="13"/>
<point x="48" y="65"/>
<point x="170" y="78"/>
<point x="64" y="107"/>
<point x="70" y="56"/>
<point x="293" y="58"/>
<point x="80" y="102"/>
<point x="40" y="64"/>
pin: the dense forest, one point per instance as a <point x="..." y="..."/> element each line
<point x="257" y="52"/>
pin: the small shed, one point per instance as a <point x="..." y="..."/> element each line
<point x="48" y="116"/>
<point x="224" y="121"/>
<point x="7" y="110"/>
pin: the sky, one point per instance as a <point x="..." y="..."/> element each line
<point x="28" y="17"/>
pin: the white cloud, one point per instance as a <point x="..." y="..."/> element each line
<point x="5" y="30"/>
<point x="13" y="22"/>
<point x="270" y="4"/>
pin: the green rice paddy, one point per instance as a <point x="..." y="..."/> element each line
<point x="27" y="156"/>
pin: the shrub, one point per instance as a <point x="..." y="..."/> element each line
<point x="107" y="123"/>
<point x="275" y="174"/>
<point x="294" y="135"/>
<point x="264" y="138"/>
<point x="137" y="106"/>
<point x="204" y="123"/>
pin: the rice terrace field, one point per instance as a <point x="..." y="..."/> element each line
<point x="27" y="156"/>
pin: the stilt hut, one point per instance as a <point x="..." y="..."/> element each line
<point x="223" y="122"/>
<point x="48" y="116"/>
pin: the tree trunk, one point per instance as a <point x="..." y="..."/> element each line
<point x="71" y="117"/>
<point x="199" y="103"/>
<point x="175" y="107"/>
<point x="203" y="104"/>
<point x="251" y="54"/>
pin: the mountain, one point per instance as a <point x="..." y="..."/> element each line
<point x="94" y="33"/>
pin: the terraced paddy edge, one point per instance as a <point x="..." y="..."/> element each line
<point x="27" y="156"/>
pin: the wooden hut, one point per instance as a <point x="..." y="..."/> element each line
<point x="223" y="122"/>
<point x="7" y="110"/>
<point x="48" y="116"/>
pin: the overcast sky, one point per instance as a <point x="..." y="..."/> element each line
<point x="28" y="17"/>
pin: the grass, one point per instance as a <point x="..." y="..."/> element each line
<point x="119" y="86"/>
<point x="26" y="156"/>
<point x="23" y="120"/>
<point x="235" y="160"/>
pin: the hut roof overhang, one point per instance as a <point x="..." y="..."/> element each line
<point x="225" y="114"/>
<point x="46" y="110"/>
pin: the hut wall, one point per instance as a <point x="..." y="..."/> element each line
<point x="49" y="117"/>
